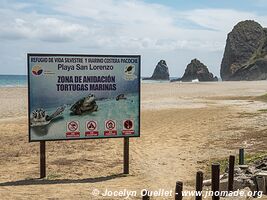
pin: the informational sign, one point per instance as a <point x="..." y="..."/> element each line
<point x="83" y="96"/>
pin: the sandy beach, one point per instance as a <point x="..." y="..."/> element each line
<point x="184" y="127"/>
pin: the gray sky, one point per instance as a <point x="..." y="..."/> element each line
<point x="176" y="31"/>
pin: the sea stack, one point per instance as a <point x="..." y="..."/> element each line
<point x="161" y="72"/>
<point x="245" y="55"/>
<point x="197" y="70"/>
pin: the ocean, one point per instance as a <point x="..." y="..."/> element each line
<point x="157" y="81"/>
<point x="13" y="80"/>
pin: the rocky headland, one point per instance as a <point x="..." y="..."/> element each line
<point x="245" y="55"/>
<point x="161" y="72"/>
<point x="196" y="70"/>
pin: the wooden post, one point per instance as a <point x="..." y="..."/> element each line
<point x="199" y="185"/>
<point x="215" y="181"/>
<point x="42" y="160"/>
<point x="241" y="157"/>
<point x="231" y="173"/>
<point x="145" y="195"/>
<point x="179" y="190"/>
<point x="126" y="156"/>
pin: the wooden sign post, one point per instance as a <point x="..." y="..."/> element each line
<point x="126" y="156"/>
<point x="42" y="160"/>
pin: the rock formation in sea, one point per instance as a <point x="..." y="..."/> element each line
<point x="197" y="70"/>
<point x="161" y="72"/>
<point x="245" y="55"/>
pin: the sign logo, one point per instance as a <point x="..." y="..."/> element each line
<point x="128" y="127"/>
<point x="129" y="72"/>
<point x="129" y="69"/>
<point x="37" y="70"/>
<point x="110" y="128"/>
<point x="73" y="129"/>
<point x="91" y="128"/>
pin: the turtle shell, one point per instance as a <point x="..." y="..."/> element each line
<point x="77" y="105"/>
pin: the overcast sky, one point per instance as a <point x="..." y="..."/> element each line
<point x="176" y="31"/>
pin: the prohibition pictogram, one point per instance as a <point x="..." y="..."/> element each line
<point x="91" y="125"/>
<point x="128" y="127"/>
<point x="110" y="125"/>
<point x="91" y="128"/>
<point x="110" y="128"/>
<point x="73" y="126"/>
<point x="128" y="124"/>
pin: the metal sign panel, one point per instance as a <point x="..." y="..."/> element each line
<point x="83" y="96"/>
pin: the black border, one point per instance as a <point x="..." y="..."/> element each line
<point x="81" y="55"/>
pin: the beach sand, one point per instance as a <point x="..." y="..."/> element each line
<point x="184" y="127"/>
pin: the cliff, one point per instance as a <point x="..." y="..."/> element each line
<point x="245" y="55"/>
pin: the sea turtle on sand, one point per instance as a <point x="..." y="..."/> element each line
<point x="86" y="104"/>
<point x="39" y="116"/>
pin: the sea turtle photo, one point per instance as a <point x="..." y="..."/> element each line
<point x="86" y="104"/>
<point x="39" y="117"/>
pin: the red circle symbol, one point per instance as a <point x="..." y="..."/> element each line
<point x="128" y="124"/>
<point x="72" y="126"/>
<point x="110" y="125"/>
<point x="91" y="125"/>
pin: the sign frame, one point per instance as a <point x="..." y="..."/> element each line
<point x="84" y="55"/>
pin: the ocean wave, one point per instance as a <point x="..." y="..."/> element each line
<point x="13" y="85"/>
